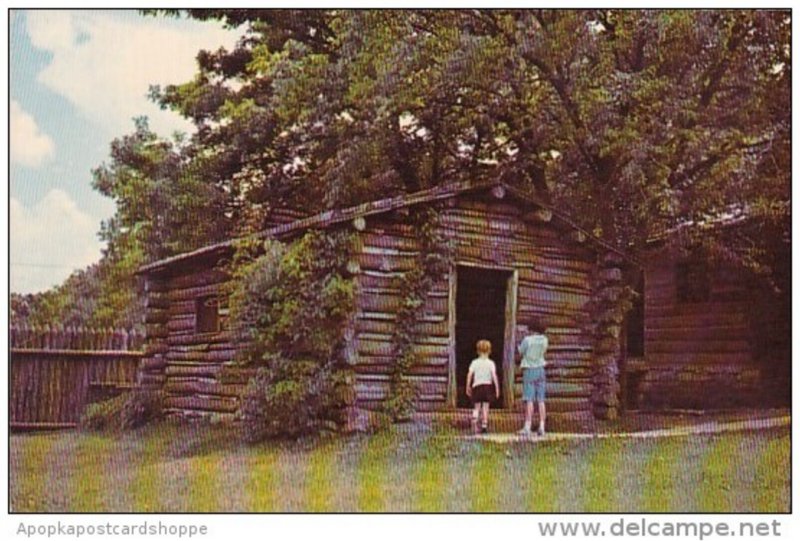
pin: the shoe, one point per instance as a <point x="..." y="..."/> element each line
<point x="525" y="432"/>
<point x="484" y="430"/>
<point x="540" y="432"/>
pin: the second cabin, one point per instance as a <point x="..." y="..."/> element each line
<point x="513" y="259"/>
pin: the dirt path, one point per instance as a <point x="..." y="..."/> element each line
<point x="712" y="427"/>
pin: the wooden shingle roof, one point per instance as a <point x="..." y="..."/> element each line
<point x="335" y="216"/>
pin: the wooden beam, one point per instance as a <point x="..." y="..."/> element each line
<point x="541" y="216"/>
<point x="578" y="236"/>
<point x="359" y="223"/>
<point x="499" y="192"/>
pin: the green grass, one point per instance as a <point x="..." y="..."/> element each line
<point x="199" y="467"/>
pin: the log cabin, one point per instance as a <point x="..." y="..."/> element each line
<point x="514" y="258"/>
<point x="706" y="333"/>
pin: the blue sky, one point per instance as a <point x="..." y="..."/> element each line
<point x="76" y="80"/>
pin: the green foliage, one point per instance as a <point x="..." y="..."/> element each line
<point x="294" y="299"/>
<point x="103" y="416"/>
<point x="141" y="407"/>
<point x="433" y="261"/>
<point x="291" y="398"/>
<point x="126" y="411"/>
<point x="632" y="120"/>
<point x="290" y="307"/>
<point x="102" y="295"/>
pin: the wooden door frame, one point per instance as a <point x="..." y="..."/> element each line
<point x="509" y="335"/>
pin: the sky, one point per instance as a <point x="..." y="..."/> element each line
<point x="76" y="81"/>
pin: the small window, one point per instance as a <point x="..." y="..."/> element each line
<point x="692" y="281"/>
<point x="206" y="314"/>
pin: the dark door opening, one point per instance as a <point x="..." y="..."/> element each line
<point x="480" y="314"/>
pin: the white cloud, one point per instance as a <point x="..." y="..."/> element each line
<point x="48" y="241"/>
<point x="29" y="146"/>
<point x="104" y="63"/>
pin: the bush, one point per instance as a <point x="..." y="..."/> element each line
<point x="292" y="398"/>
<point x="103" y="416"/>
<point x="289" y="308"/>
<point x="124" y="412"/>
<point x="140" y="408"/>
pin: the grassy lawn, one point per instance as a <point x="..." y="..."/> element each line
<point x="203" y="468"/>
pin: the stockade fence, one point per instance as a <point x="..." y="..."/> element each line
<point x="57" y="371"/>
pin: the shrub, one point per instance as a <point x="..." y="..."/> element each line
<point x="103" y="416"/>
<point x="141" y="407"/>
<point x="291" y="398"/>
<point x="123" y="412"/>
<point x="289" y="308"/>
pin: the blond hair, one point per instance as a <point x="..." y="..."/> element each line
<point x="484" y="347"/>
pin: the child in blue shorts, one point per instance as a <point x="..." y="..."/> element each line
<point x="532" y="350"/>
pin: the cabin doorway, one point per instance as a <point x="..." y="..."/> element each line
<point x="485" y="303"/>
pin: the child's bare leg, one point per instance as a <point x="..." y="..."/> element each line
<point x="542" y="416"/>
<point x="528" y="414"/>
<point x="475" y="413"/>
<point x="485" y="418"/>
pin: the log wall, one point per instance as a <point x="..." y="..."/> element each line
<point x="183" y="362"/>
<point x="697" y="354"/>
<point x="553" y="284"/>
<point x="554" y="274"/>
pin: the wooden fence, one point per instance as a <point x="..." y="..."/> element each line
<point x="56" y="372"/>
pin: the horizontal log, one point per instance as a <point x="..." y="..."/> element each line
<point x="151" y="379"/>
<point x="198" y="278"/>
<point x="201" y="356"/>
<point x="391" y="316"/>
<point x="699" y="346"/>
<point x="153" y="331"/>
<point x="156" y="300"/>
<point x="183" y="322"/>
<point x="203" y="386"/>
<point x="195" y="292"/>
<point x="386" y="263"/>
<point x="222" y="337"/>
<point x="155" y="285"/>
<point x="392" y="303"/>
<point x="384" y="365"/>
<point x="192" y="370"/>
<point x="380" y="389"/>
<point x="554" y="294"/>
<point x="153" y="363"/>
<point x="697" y="333"/>
<point x="422" y="339"/>
<point x="386" y="349"/>
<point x="430" y="363"/>
<point x="567" y="405"/>
<point x="699" y="309"/>
<point x="694" y="357"/>
<point x="201" y="403"/>
<point x="184" y="308"/>
<point x="156" y="317"/>
<point x="571" y="281"/>
<point x="655" y="321"/>
<point x="440" y="329"/>
<point x="370" y="238"/>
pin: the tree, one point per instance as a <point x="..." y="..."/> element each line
<point x="635" y="121"/>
